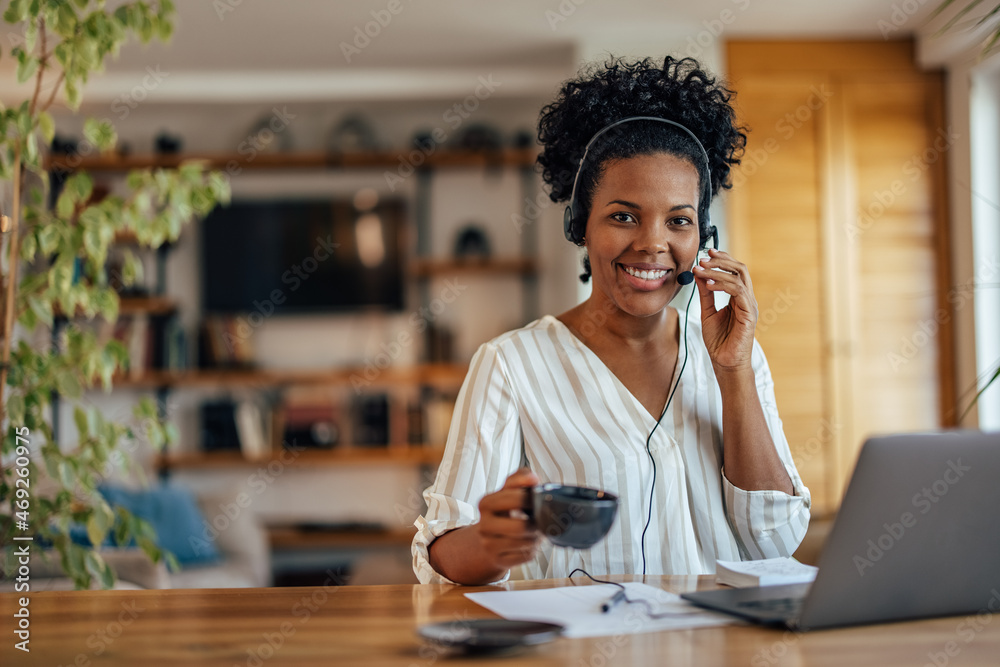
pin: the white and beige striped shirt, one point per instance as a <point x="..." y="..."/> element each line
<point x="539" y="396"/>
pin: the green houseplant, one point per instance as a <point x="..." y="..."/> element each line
<point x="53" y="261"/>
<point x="964" y="18"/>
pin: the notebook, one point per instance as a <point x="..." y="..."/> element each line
<point x="917" y="536"/>
<point x="767" y="572"/>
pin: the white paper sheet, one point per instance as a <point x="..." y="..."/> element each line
<point x="578" y="608"/>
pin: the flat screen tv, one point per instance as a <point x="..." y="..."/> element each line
<point x="302" y="256"/>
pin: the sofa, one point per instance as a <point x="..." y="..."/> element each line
<point x="243" y="557"/>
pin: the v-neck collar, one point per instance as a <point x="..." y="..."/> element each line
<point x="642" y="408"/>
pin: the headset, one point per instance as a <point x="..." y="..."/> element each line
<point x="571" y="217"/>
<point x="572" y="213"/>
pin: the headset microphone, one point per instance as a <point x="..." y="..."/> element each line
<point x="685" y="278"/>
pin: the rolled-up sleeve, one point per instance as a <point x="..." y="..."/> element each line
<point x="768" y="523"/>
<point x="482" y="450"/>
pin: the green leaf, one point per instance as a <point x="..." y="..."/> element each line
<point x="60" y="280"/>
<point x="100" y="133"/>
<point x="66" y="475"/>
<point x="30" y="35"/>
<point x="68" y="384"/>
<point x="15" y="408"/>
<point x="81" y="185"/>
<point x="29" y="246"/>
<point x="42" y="309"/>
<point x="16" y="12"/>
<point x="65" y="205"/>
<point x="99" y="569"/>
<point x="92" y="236"/>
<point x="107" y="303"/>
<point x="22" y="119"/>
<point x="72" y="94"/>
<point x="165" y="30"/>
<point x="47" y="126"/>
<point x="48" y="236"/>
<point x="26" y="67"/>
<point x="31" y="150"/>
<point x="145" y="409"/>
<point x="80" y="417"/>
<point x="955" y="19"/>
<point x="156" y="436"/>
<point x="96" y="530"/>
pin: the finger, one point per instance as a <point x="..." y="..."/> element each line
<point x="705" y="295"/>
<point x="503" y="501"/>
<point x="721" y="260"/>
<point x="721" y="281"/>
<point x="739" y="295"/>
<point x="520" y="478"/>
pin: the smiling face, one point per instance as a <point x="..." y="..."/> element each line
<point x="642" y="230"/>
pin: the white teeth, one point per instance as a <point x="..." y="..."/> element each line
<point x="645" y="275"/>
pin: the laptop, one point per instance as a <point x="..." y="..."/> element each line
<point x="917" y="536"/>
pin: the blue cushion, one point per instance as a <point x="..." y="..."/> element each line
<point x="174" y="515"/>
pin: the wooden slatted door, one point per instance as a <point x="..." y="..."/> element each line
<point x="836" y="210"/>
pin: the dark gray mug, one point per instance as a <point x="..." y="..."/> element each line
<point x="571" y="516"/>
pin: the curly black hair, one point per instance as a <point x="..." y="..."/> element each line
<point x="679" y="90"/>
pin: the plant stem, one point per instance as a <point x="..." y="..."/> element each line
<point x="41" y="69"/>
<point x="55" y="90"/>
<point x="14" y="246"/>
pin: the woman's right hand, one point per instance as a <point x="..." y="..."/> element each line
<point x="506" y="536"/>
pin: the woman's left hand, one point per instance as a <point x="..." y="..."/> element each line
<point x="728" y="332"/>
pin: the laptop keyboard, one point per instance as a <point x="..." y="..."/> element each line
<point x="782" y="607"/>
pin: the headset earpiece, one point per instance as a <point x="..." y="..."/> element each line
<point x="569" y="227"/>
<point x="711" y="233"/>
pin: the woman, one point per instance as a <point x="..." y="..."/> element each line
<point x="624" y="393"/>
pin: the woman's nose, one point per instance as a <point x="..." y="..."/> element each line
<point x="651" y="238"/>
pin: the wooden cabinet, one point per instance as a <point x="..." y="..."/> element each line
<point x="839" y="211"/>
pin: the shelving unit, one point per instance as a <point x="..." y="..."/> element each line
<point x="112" y="162"/>
<point x="419" y="382"/>
<point x="345" y="453"/>
<point x="150" y="305"/>
<point x="443" y="375"/>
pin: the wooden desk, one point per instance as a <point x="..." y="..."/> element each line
<point x="374" y="625"/>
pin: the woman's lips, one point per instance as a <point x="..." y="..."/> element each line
<point x="649" y="283"/>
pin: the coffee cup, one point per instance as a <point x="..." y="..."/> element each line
<point x="571" y="516"/>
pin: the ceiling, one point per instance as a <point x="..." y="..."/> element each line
<point x="234" y="50"/>
<point x="308" y="34"/>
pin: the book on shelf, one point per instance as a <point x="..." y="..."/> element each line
<point x="437" y="419"/>
<point x="133" y="332"/>
<point x="765" y="572"/>
<point x="152" y="342"/>
<point x="223" y="344"/>
<point x="253" y="430"/>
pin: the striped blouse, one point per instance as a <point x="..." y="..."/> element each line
<point x="538" y="396"/>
